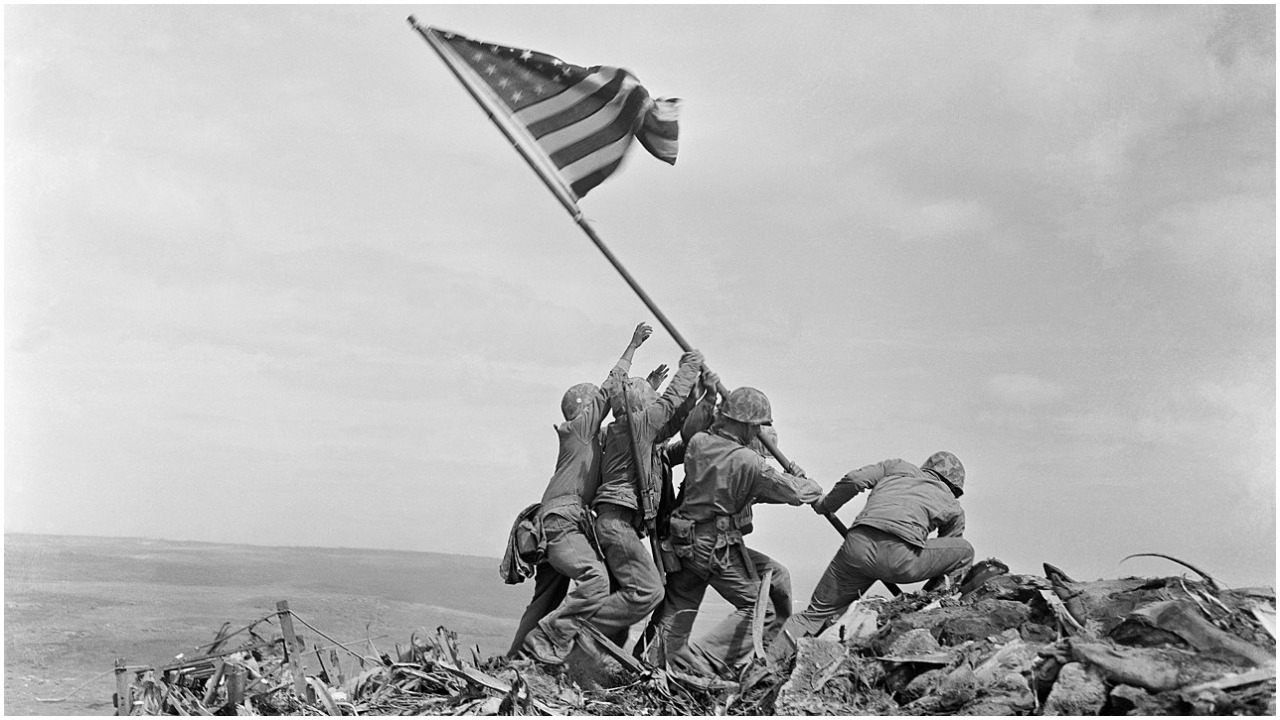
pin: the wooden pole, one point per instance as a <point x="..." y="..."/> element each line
<point x="235" y="687"/>
<point x="124" y="690"/>
<point x="293" y="648"/>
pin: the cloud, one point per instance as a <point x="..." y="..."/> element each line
<point x="1016" y="389"/>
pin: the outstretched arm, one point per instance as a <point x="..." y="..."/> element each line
<point x="621" y="368"/>
<point x="854" y="482"/>
<point x="638" y="336"/>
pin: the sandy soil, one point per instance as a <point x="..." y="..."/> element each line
<point x="74" y="605"/>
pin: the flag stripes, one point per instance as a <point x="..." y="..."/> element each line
<point x="582" y="120"/>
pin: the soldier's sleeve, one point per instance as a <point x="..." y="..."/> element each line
<point x="699" y="418"/>
<point x="954" y="525"/>
<point x="617" y="377"/>
<point x="854" y="482"/>
<point x="774" y="486"/>
<point x="657" y="415"/>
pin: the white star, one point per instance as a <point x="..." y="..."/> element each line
<point x="491" y="69"/>
<point x="526" y="55"/>
<point x="504" y="82"/>
<point x="477" y="57"/>
<point x="539" y="88"/>
<point x="556" y="61"/>
<point x="515" y="96"/>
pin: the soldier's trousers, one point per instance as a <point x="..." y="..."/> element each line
<point x="869" y="554"/>
<point x="627" y="555"/>
<point x="549" y="590"/>
<point x="570" y="552"/>
<point x="729" y="643"/>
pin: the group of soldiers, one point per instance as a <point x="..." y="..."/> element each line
<point x="585" y="545"/>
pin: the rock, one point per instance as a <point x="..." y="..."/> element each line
<point x="957" y="624"/>
<point x="1078" y="690"/>
<point x="1154" y="669"/>
<point x="857" y="623"/>
<point x="923" y="684"/>
<point x="957" y="689"/>
<point x="816" y="662"/>
<point x="826" y="681"/>
<point x="1185" y="622"/>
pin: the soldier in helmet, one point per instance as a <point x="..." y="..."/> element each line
<point x="889" y="540"/>
<point x="631" y="465"/>
<point x="724" y="477"/>
<point x="571" y="554"/>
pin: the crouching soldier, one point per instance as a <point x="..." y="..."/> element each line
<point x="547" y="632"/>
<point x="889" y="540"/>
<point x="627" y="498"/>
<point x="724" y="477"/>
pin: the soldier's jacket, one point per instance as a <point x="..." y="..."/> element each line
<point x="905" y="501"/>
<point x="578" y="462"/>
<point x="654" y="424"/>
<point x="723" y="477"/>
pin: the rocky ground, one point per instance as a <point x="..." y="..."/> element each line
<point x="1002" y="644"/>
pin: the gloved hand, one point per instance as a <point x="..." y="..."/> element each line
<point x="693" y="357"/>
<point x="819" y="505"/>
<point x="710" y="379"/>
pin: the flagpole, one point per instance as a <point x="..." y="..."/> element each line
<point x="566" y="198"/>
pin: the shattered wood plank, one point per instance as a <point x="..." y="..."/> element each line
<point x="757" y="616"/>
<point x="205" y="659"/>
<point x="616" y="652"/>
<point x="211" y="688"/>
<point x="486" y="680"/>
<point x="293" y="648"/>
<point x="1231" y="681"/>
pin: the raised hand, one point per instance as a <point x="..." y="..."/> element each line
<point x="657" y="375"/>
<point x="641" y="333"/>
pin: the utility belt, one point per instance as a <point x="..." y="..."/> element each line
<point x="727" y="529"/>
<point x="572" y="509"/>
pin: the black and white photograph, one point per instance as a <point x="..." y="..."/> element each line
<point x="672" y="359"/>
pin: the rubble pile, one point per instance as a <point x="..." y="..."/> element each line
<point x="1032" y="645"/>
<point x="1009" y="645"/>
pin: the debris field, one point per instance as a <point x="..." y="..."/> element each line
<point x="1009" y="645"/>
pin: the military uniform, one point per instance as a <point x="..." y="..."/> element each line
<point x="567" y="528"/>
<point x="888" y="541"/>
<point x="618" y="522"/>
<point x="723" y="478"/>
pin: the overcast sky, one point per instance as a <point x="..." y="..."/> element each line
<point x="272" y="277"/>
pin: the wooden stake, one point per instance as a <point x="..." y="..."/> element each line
<point x="335" y="669"/>
<point x="124" y="691"/>
<point x="293" y="648"/>
<point x="235" y="686"/>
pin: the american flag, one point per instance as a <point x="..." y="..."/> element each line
<point x="582" y="119"/>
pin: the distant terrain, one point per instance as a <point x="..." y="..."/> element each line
<point x="75" y="604"/>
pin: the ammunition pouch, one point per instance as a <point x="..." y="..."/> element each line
<point x="682" y="533"/>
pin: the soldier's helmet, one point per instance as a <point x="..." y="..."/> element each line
<point x="748" y="405"/>
<point x="576" y="398"/>
<point x="949" y="467"/>
<point x="638" y="391"/>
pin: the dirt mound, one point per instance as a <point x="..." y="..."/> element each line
<point x="1008" y="645"/>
